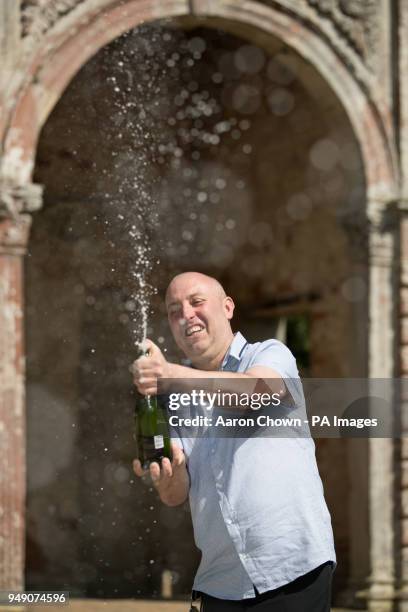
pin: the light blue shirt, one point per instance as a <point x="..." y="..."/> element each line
<point x="257" y="504"/>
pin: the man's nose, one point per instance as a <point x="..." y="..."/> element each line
<point x="188" y="311"/>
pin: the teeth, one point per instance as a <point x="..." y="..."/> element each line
<point x="193" y="329"/>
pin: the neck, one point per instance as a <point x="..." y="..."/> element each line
<point x="214" y="361"/>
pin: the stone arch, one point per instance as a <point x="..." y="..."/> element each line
<point x="69" y="48"/>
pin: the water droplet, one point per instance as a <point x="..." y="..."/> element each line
<point x="202" y="196"/>
<point x="246" y="98"/>
<point x="279" y="71"/>
<point x="281" y="101"/>
<point x="197" y="45"/>
<point x="249" y="59"/>
<point x="324" y="154"/>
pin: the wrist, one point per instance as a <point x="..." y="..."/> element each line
<point x="167" y="374"/>
<point x="170" y="370"/>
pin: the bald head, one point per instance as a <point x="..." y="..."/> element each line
<point x="196" y="278"/>
<point x="199" y="313"/>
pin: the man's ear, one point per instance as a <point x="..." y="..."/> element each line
<point x="229" y="307"/>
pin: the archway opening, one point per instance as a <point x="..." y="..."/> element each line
<point x="206" y="146"/>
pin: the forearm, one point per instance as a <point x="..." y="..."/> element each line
<point x="180" y="372"/>
<point x="257" y="379"/>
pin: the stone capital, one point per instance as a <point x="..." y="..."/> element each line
<point x="383" y="222"/>
<point x="18" y="198"/>
<point x="382" y="215"/>
<point x="403" y="206"/>
<point x="370" y="231"/>
<point x="16" y="201"/>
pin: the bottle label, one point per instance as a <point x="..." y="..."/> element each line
<point x="158" y="442"/>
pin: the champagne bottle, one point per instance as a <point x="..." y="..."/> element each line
<point x="152" y="434"/>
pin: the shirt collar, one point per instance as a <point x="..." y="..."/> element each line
<point x="233" y="354"/>
<point x="235" y="350"/>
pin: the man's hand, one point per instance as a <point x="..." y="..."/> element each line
<point x="148" y="368"/>
<point x="172" y="480"/>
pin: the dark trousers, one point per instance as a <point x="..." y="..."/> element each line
<point x="309" y="593"/>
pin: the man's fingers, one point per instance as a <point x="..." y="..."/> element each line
<point x="145" y="381"/>
<point x="147" y="387"/>
<point x="158" y="474"/>
<point x="142" y="362"/>
<point x="141" y="367"/>
<point x="147" y="390"/>
<point x="154" y="471"/>
<point x="137" y="468"/>
<point x="167" y="470"/>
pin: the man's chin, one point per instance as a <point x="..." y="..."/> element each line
<point x="196" y="346"/>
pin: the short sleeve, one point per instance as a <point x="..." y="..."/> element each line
<point x="276" y="355"/>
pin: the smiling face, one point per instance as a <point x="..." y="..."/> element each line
<point x="199" y="315"/>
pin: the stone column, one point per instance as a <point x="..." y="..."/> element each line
<point x="355" y="227"/>
<point x="372" y="240"/>
<point x="403" y="368"/>
<point x="402" y="91"/>
<point x="15" y="202"/>
<point x="383" y="285"/>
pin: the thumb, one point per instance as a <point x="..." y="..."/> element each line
<point x="178" y="454"/>
<point x="150" y="347"/>
<point x="145" y="346"/>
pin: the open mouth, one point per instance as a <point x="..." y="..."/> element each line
<point x="194" y="330"/>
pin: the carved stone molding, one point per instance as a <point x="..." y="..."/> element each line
<point x="16" y="199"/>
<point x="382" y="216"/>
<point x="403" y="206"/>
<point x="383" y="220"/>
<point x="38" y="16"/>
<point x="370" y="232"/>
<point x="356" y="21"/>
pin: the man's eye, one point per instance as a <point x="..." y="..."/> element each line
<point x="197" y="302"/>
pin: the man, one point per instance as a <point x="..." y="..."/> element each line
<point x="258" y="509"/>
